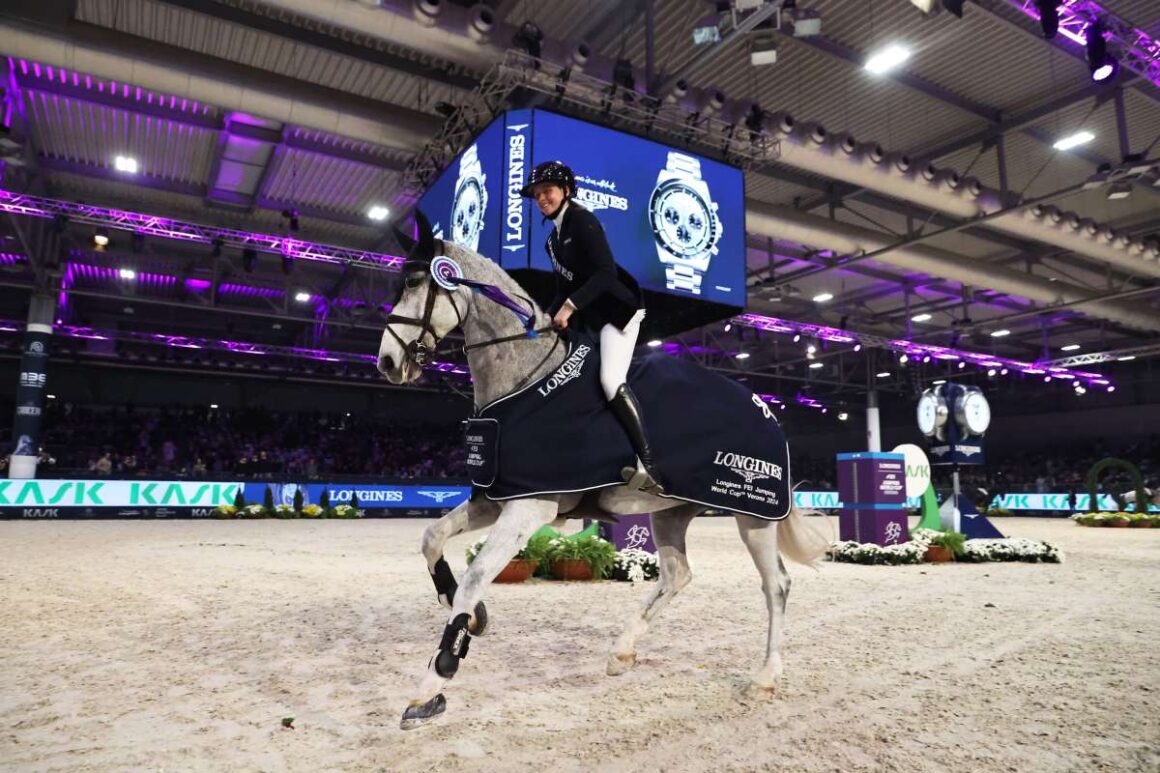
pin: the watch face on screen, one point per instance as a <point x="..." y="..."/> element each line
<point x="977" y="412"/>
<point x="682" y="221"/>
<point x="927" y="413"/>
<point x="467" y="215"/>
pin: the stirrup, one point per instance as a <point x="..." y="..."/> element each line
<point x="639" y="478"/>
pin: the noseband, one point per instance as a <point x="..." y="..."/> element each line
<point x="417" y="351"/>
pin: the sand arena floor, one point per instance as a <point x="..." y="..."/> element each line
<point x="180" y="645"/>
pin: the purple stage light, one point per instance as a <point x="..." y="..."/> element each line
<point x="911" y="349"/>
<point x="152" y="225"/>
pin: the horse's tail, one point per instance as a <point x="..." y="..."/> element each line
<point x="801" y="541"/>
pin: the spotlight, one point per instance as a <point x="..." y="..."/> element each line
<point x="622" y="76"/>
<point x="728" y="326"/>
<point x="889" y="58"/>
<point x="843" y="416"/>
<point x="762" y="51"/>
<point x="823" y="297"/>
<point x="1000" y="333"/>
<point x="292" y="216"/>
<point x="755" y="121"/>
<point x="1101" y="65"/>
<point x="1069" y="348"/>
<point x="1120" y="190"/>
<point x="378" y="212"/>
<point x="1048" y="17"/>
<point x="857" y="347"/>
<point x="101" y="239"/>
<point x="920" y="318"/>
<point x="991" y="372"/>
<point x="1074" y="140"/>
<point x="797" y="337"/>
<point x="302" y="296"/>
<point x="127" y="273"/>
<point x="811" y="349"/>
<point x="708" y="30"/>
<point x="529" y="38"/>
<point x="742" y="355"/>
<point x="125" y="164"/>
<point x="904" y="359"/>
<point x="816" y="365"/>
<point x="655" y="343"/>
<point x="883" y="374"/>
<point x="249" y="259"/>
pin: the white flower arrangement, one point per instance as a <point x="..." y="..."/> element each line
<point x="283" y="509"/>
<point x="635" y="565"/>
<point x="974" y="551"/>
<point x="1010" y="549"/>
<point x="346" y="511"/>
<point x="254" y="511"/>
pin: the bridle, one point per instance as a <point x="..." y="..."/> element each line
<point x="421" y="354"/>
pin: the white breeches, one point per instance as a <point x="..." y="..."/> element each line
<point x="616" y="348"/>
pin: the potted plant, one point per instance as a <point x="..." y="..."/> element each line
<point x="1139" y="521"/>
<point x="944" y="546"/>
<point x="523" y="564"/>
<point x="1119" y="520"/>
<point x="581" y="559"/>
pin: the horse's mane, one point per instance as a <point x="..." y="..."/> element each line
<point x="483" y="269"/>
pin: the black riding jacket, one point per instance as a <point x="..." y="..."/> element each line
<point x="588" y="276"/>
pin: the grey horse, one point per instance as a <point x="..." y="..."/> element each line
<point x="503" y="358"/>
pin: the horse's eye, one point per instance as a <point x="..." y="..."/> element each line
<point x="415" y="280"/>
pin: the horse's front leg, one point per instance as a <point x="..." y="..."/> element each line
<point x="478" y="513"/>
<point x="517" y="521"/>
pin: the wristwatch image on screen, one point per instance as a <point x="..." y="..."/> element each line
<point x="684" y="221"/>
<point x="470" y="200"/>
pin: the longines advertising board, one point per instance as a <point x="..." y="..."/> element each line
<point x="674" y="220"/>
<point x="35" y="499"/>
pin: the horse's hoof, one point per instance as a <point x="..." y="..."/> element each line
<point x="480" y="626"/>
<point x="621" y="664"/>
<point x="760" y="692"/>
<point x="423" y="713"/>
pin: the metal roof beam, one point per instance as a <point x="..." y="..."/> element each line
<point x="452" y="76"/>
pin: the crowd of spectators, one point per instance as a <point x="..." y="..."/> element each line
<point x="128" y="441"/>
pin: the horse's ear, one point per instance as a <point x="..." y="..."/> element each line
<point x="406" y="242"/>
<point x="426" y="250"/>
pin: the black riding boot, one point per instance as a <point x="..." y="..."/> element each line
<point x="627" y="412"/>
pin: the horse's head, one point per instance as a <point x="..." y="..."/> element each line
<point x="428" y="307"/>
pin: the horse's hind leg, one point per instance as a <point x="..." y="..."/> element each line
<point x="669" y="534"/>
<point x="468" y="516"/>
<point x="760" y="536"/>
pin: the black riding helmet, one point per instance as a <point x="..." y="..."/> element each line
<point x="551" y="172"/>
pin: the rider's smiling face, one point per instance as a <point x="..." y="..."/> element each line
<point x="548" y="196"/>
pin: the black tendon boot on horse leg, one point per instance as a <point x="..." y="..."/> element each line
<point x="627" y="412"/>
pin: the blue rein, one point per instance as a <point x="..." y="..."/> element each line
<point x="493" y="293"/>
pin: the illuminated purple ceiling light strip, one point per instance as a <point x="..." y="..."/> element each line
<point x="923" y="352"/>
<point x="11" y="259"/>
<point x="33" y="71"/>
<point x="1137" y="51"/>
<point x="152" y="225"/>
<point x="217" y="345"/>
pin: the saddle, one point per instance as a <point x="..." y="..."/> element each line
<point x="714" y="442"/>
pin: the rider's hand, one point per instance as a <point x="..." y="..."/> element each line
<point x="560" y="321"/>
